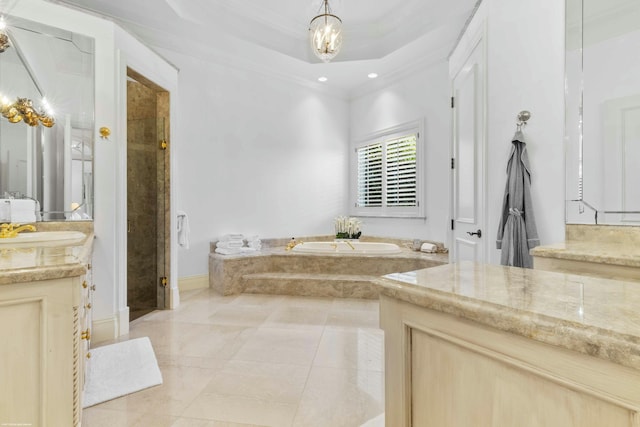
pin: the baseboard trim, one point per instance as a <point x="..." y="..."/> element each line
<point x="191" y="283"/>
<point x="104" y="330"/>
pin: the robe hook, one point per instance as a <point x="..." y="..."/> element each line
<point x="523" y="116"/>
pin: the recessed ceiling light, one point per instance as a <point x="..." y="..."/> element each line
<point x="322" y="79"/>
<point x="372" y="75"/>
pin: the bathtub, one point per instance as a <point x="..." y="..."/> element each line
<point x="347" y="247"/>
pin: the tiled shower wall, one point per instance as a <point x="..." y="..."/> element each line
<point x="147" y="201"/>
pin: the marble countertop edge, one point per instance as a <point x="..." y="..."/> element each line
<point x="593" y="254"/>
<point x="619" y="348"/>
<point x="65" y="268"/>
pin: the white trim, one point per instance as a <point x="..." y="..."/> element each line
<point x="106" y="329"/>
<point x="190" y="283"/>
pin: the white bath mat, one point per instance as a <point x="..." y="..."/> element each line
<point x="119" y="369"/>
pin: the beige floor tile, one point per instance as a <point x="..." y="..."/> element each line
<point x="190" y="361"/>
<point x="241" y="315"/>
<point x="340" y="398"/>
<point x="99" y="417"/>
<point x="255" y="361"/>
<point x="318" y="303"/>
<point x="354" y="319"/>
<point x="355" y="304"/>
<point x="266" y="381"/>
<point x="181" y="385"/>
<point x="272" y="345"/>
<point x="216" y="342"/>
<point x="258" y="300"/>
<point x="192" y="422"/>
<point x="296" y="317"/>
<point x="353" y="349"/>
<point x="241" y="410"/>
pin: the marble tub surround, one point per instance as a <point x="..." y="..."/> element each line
<point x="41" y="262"/>
<point x="281" y="242"/>
<point x="593" y="316"/>
<point x="275" y="270"/>
<point x="606" y="251"/>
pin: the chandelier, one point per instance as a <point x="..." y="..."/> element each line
<point x="22" y="109"/>
<point x="325" y="32"/>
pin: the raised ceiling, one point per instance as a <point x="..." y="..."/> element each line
<point x="387" y="37"/>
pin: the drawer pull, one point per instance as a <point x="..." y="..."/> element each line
<point x="84" y="284"/>
<point x="86" y="335"/>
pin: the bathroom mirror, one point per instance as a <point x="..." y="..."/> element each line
<point x="603" y="111"/>
<point x="51" y="165"/>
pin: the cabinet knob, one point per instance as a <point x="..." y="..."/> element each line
<point x="89" y="355"/>
<point x="84" y="284"/>
<point x="88" y="306"/>
<point x="86" y="335"/>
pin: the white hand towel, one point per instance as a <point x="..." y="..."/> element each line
<point x="183" y="229"/>
<point x="23" y="211"/>
<point x="428" y="247"/>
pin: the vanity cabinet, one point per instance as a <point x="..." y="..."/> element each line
<point x="495" y="346"/>
<point x="44" y="334"/>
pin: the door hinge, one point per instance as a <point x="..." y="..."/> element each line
<point x="164" y="282"/>
<point x="452" y="225"/>
<point x="453" y="163"/>
<point x="452" y="102"/>
<point x="163" y="144"/>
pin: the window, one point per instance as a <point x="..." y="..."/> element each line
<point x="387" y="173"/>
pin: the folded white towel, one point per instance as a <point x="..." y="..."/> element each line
<point x="229" y="251"/>
<point x="228" y="237"/>
<point x="230" y="244"/>
<point x="23" y="211"/>
<point x="248" y="249"/>
<point x="428" y="247"/>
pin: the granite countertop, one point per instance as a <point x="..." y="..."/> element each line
<point x="598" y="317"/>
<point x="615" y="253"/>
<point x="33" y="262"/>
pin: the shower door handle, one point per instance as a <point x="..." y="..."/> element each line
<point x="475" y="233"/>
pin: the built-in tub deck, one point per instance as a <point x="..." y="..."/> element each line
<point x="275" y="270"/>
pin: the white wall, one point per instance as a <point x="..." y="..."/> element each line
<point x="525" y="66"/>
<point x="256" y="155"/>
<point x="421" y="95"/>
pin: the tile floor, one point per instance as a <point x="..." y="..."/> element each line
<point x="257" y="360"/>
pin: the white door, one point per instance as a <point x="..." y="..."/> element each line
<point x="468" y="177"/>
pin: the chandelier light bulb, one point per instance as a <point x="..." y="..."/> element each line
<point x="325" y="33"/>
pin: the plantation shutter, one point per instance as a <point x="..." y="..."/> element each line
<point x="401" y="172"/>
<point x="370" y="175"/>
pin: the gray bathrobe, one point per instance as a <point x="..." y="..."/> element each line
<point x="517" y="230"/>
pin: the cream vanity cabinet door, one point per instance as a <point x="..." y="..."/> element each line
<point x="443" y="371"/>
<point x="39" y="343"/>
